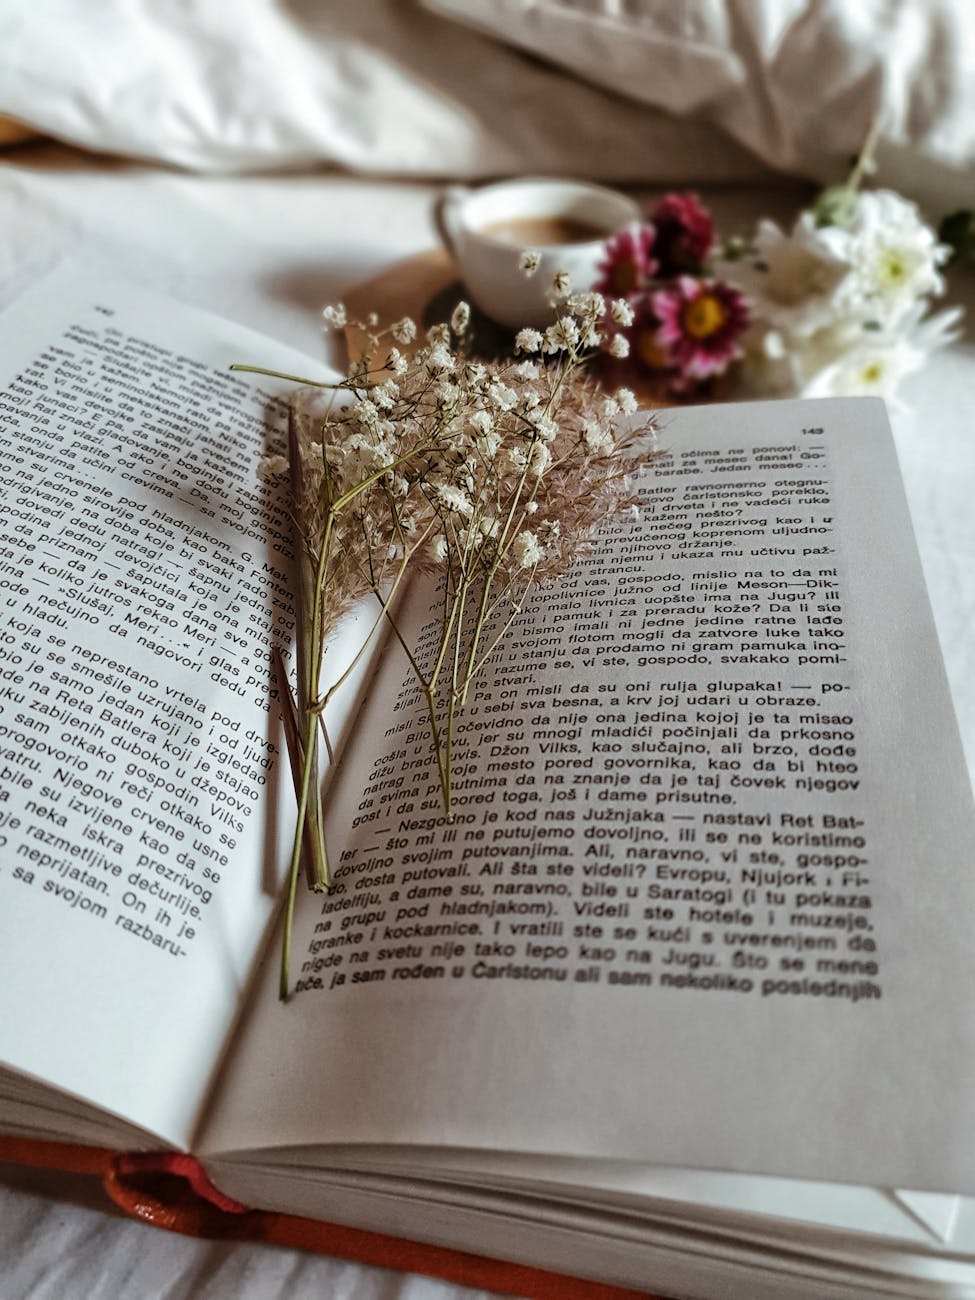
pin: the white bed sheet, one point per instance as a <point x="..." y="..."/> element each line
<point x="270" y="252"/>
<point x="644" y="92"/>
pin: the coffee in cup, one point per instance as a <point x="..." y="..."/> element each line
<point x="566" y="222"/>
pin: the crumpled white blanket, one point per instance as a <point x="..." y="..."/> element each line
<point x="623" y="90"/>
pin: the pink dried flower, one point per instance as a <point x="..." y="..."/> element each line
<point x="628" y="263"/>
<point x="685" y="234"/>
<point x="700" y="322"/>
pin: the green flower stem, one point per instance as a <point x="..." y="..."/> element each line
<point x="516" y="610"/>
<point x="865" y="162"/>
<point x="308" y="830"/>
<point x="281" y="374"/>
<point x="443" y="766"/>
<point x="428" y="685"/>
<point x="292" y="733"/>
<point x="311" y="732"/>
<point x="310" y="649"/>
<point x="312" y="592"/>
<point x="402" y="570"/>
<point x="308" y="827"/>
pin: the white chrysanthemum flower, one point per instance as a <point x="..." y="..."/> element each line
<point x="796" y="282"/>
<point x="619" y="346"/>
<point x="460" y="318"/>
<point x="526" y="370"/>
<point x="438" y="334"/>
<point x="561" y="284"/>
<point x="878" y="363"/>
<point x="627" y="400"/>
<point x="528" y="340"/>
<point x="562" y="336"/>
<point x="895" y="255"/>
<point x="528" y="261"/>
<point x="455" y="499"/>
<point x="546" y="428"/>
<point x="622" y="312"/>
<point x="526" y="550"/>
<point x="482" y="421"/>
<point x="397" y="363"/>
<point x="928" y="333"/>
<point x="597" y="437"/>
<point x="489" y="527"/>
<point x="531" y="507"/>
<point x="872" y="370"/>
<point x="272" y="467"/>
<point x="438" y="549"/>
<point x="517" y="458"/>
<point x="446" y="393"/>
<point x="609" y="408"/>
<point x="404" y="331"/>
<point x="334" y="314"/>
<point x="778" y="363"/>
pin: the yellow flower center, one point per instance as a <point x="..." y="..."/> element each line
<point x="892" y="268"/>
<point x="872" y="373"/>
<point x="704" y="316"/>
<point x="649" y="350"/>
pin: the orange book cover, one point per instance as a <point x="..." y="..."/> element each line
<point x="171" y="1190"/>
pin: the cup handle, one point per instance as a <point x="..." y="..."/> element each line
<point x="445" y="216"/>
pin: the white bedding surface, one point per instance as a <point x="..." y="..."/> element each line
<point x="58" y="1242"/>
<point x="270" y="252"/>
<point x="645" y="92"/>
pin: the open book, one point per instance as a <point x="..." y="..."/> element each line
<point x="683" y="993"/>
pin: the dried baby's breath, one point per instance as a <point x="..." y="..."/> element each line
<point x="493" y="477"/>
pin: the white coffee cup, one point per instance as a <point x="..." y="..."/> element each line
<point x="486" y="230"/>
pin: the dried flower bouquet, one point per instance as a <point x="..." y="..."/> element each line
<point x="492" y="476"/>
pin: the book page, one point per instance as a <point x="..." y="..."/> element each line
<point x="706" y="897"/>
<point x="144" y="576"/>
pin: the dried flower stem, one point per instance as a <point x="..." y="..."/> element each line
<point x="494" y="475"/>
